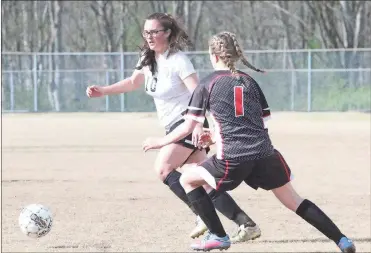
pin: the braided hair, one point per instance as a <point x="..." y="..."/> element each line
<point x="226" y="46"/>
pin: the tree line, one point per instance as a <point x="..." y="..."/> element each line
<point x="111" y="26"/>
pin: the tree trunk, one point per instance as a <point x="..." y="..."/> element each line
<point x="55" y="24"/>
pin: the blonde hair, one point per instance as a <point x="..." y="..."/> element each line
<point x="226" y="46"/>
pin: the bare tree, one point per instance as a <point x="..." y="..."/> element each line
<point x="55" y="45"/>
<point x="340" y="22"/>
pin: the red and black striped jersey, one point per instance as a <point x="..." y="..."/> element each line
<point x="238" y="108"/>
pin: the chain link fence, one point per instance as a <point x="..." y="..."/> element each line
<point x="296" y="80"/>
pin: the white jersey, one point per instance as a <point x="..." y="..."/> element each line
<point x="170" y="94"/>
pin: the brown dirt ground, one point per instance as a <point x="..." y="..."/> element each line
<point x="90" y="170"/>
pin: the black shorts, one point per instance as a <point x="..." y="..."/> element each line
<point x="187" y="141"/>
<point x="267" y="173"/>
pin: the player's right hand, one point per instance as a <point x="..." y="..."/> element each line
<point x="94" y="91"/>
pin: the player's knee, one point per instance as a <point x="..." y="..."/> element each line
<point x="207" y="188"/>
<point x="186" y="181"/>
<point x="163" y="171"/>
<point x="288" y="196"/>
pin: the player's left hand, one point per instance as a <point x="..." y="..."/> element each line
<point x="152" y="143"/>
<point x="206" y="139"/>
<point x="197" y="133"/>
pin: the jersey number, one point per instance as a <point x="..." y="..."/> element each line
<point x="238" y="101"/>
<point x="151" y="84"/>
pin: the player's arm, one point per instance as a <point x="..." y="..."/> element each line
<point x="189" y="76"/>
<point x="123" y="86"/>
<point x="180" y="132"/>
<point x="126" y="85"/>
<point x="195" y="114"/>
<point x="266" y="112"/>
<point x="191" y="82"/>
<point x="187" y="72"/>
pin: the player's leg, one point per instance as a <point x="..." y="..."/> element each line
<point x="192" y="180"/>
<point x="312" y="214"/>
<point x="276" y="175"/>
<point x="226" y="205"/>
<point x="168" y="160"/>
<point x="222" y="176"/>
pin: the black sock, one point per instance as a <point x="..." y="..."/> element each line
<point x="206" y="210"/>
<point x="225" y="204"/>
<point x="172" y="180"/>
<point x="317" y="218"/>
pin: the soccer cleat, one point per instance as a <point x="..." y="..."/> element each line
<point x="244" y="234"/>
<point x="211" y="242"/>
<point x="346" y="245"/>
<point x="200" y="228"/>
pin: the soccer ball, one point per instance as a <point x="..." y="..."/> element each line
<point x="35" y="220"/>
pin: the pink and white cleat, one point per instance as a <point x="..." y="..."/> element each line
<point x="211" y="242"/>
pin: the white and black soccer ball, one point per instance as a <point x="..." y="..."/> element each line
<point x="35" y="220"/>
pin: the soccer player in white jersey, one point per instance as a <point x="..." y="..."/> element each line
<point x="170" y="78"/>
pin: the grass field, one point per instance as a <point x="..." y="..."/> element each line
<point x="105" y="196"/>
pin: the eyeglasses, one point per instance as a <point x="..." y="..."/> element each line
<point x="153" y="33"/>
